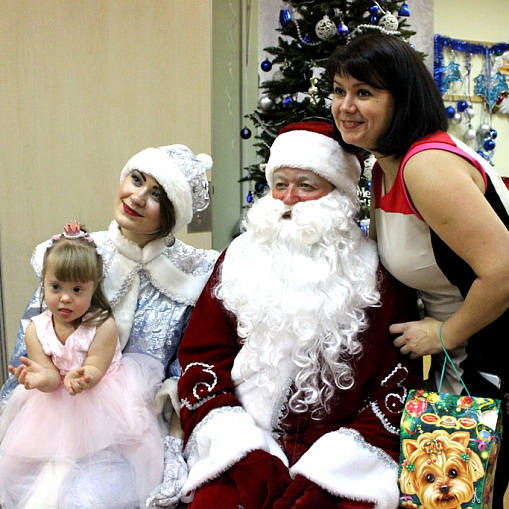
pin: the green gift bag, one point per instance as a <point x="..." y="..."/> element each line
<point x="449" y="449"/>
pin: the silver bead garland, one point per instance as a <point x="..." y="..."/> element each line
<point x="301" y="38"/>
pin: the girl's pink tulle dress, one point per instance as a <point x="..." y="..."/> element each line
<point x="105" y="443"/>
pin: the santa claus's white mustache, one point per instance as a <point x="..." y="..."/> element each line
<point x="304" y="221"/>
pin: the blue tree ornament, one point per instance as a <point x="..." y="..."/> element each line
<point x="266" y="65"/>
<point x="491" y="88"/>
<point x="451" y="73"/>
<point x="450" y="111"/>
<point x="343" y="29"/>
<point x="462" y="105"/>
<point x="287" y="102"/>
<point x="245" y="133"/>
<point x="404" y="10"/>
<point x="489" y="144"/>
<point x="373" y="9"/>
<point x="285" y="16"/>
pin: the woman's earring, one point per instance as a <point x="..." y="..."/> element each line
<point x="170" y="240"/>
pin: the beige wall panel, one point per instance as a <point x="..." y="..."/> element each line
<point x="85" y="85"/>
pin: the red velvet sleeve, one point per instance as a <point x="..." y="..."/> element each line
<point x="206" y="355"/>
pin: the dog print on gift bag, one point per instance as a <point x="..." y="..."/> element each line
<point x="440" y="469"/>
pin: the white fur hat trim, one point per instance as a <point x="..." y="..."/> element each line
<point x="308" y="150"/>
<point x="181" y="174"/>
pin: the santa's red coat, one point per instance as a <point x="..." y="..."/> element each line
<point x="346" y="459"/>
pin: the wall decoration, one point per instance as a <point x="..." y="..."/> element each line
<point x="470" y="73"/>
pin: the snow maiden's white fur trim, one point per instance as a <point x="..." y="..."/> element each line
<point x="122" y="282"/>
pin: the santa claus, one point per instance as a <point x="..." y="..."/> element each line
<point x="292" y="391"/>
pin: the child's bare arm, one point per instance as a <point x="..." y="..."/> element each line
<point x="98" y="360"/>
<point x="37" y="370"/>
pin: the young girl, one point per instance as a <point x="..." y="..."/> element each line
<point x="80" y="406"/>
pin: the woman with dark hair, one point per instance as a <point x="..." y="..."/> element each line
<point x="152" y="282"/>
<point x="405" y="76"/>
<point x="440" y="214"/>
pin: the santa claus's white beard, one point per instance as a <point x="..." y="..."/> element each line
<point x="308" y="278"/>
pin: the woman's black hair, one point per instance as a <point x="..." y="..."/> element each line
<point x="388" y="62"/>
<point x="168" y="216"/>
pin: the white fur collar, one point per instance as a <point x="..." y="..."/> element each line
<point x="131" y="250"/>
<point x="155" y="259"/>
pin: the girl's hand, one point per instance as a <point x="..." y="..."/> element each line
<point x="417" y="338"/>
<point x="76" y="381"/>
<point x="29" y="373"/>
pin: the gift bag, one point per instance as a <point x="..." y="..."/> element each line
<point x="449" y="448"/>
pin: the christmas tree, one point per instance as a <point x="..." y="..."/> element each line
<point x="310" y="31"/>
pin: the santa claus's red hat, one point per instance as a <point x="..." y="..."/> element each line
<point x="311" y="146"/>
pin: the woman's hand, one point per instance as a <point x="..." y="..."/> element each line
<point x="417" y="338"/>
